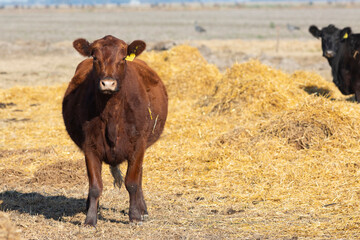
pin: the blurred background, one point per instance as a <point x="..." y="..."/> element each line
<point x="225" y="32"/>
<point x="163" y="20"/>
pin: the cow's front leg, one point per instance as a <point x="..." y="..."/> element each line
<point x="93" y="165"/>
<point x="143" y="208"/>
<point x="133" y="182"/>
<point x="357" y="94"/>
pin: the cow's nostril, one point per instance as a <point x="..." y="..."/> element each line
<point x="108" y="85"/>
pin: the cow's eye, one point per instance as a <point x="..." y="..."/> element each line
<point x="95" y="58"/>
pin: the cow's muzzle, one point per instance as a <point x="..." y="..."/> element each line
<point x="329" y="54"/>
<point x="108" y="85"/>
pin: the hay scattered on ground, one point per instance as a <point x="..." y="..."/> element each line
<point x="69" y="173"/>
<point x="251" y="153"/>
<point x="7" y="228"/>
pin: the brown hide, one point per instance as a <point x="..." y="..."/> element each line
<point x="114" y="125"/>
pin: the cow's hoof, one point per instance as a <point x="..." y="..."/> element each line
<point x="135" y="215"/>
<point x="144" y="217"/>
<point x="90" y="222"/>
<point x="136" y="223"/>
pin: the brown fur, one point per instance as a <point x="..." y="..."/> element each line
<point x="115" y="127"/>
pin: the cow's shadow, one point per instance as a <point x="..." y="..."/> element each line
<point x="51" y="207"/>
<point x="351" y="99"/>
<point x="54" y="207"/>
<point x="319" y="91"/>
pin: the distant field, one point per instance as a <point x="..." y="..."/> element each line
<point x="36" y="43"/>
<point x="158" y="24"/>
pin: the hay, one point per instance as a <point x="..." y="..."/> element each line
<point x="316" y="121"/>
<point x="7" y="229"/>
<point x="263" y="90"/>
<point x="184" y="71"/>
<point x="313" y="83"/>
<point x="254" y="86"/>
<point x="69" y="173"/>
<point x="264" y="153"/>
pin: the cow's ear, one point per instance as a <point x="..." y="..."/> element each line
<point x="345" y="33"/>
<point x="82" y="46"/>
<point x="135" y="49"/>
<point x="315" y="31"/>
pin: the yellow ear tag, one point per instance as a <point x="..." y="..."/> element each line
<point x="130" y="57"/>
<point x="345" y="36"/>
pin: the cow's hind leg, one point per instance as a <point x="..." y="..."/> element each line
<point x="133" y="185"/>
<point x="93" y="165"/>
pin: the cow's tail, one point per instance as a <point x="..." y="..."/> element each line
<point x="118" y="178"/>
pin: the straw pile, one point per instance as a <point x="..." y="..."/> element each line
<point x="251" y="151"/>
<point x="183" y="69"/>
<point x="254" y="86"/>
<point x="316" y="122"/>
<point x="263" y="90"/>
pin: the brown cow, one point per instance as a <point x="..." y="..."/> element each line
<point x="114" y="108"/>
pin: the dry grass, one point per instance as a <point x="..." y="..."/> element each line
<point x="185" y="71"/>
<point x="251" y="153"/>
<point x="7" y="228"/>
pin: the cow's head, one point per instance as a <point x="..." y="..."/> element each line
<point x="110" y="55"/>
<point x="331" y="37"/>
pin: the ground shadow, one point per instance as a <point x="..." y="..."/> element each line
<point x="318" y="91"/>
<point x="351" y="99"/>
<point x="54" y="207"/>
<point x="51" y="207"/>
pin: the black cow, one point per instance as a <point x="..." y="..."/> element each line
<point x="340" y="49"/>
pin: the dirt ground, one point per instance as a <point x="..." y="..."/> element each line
<point x="45" y="199"/>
